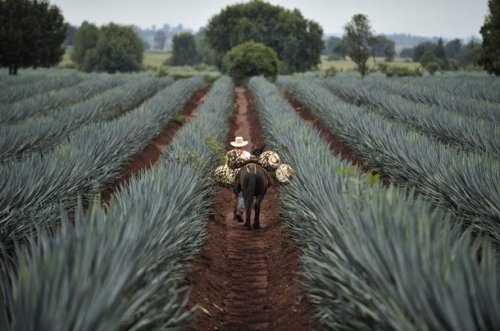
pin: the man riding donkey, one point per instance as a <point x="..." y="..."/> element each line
<point x="238" y="202"/>
<point x="249" y="175"/>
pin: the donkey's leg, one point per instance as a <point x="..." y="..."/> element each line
<point x="248" y="211"/>
<point x="256" y="221"/>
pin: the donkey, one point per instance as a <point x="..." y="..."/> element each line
<point x="253" y="180"/>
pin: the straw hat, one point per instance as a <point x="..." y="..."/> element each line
<point x="239" y="142"/>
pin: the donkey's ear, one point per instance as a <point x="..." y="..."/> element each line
<point x="257" y="151"/>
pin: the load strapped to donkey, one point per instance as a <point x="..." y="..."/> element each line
<point x="225" y="175"/>
<point x="250" y="179"/>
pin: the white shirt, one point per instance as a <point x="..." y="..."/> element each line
<point x="246" y="155"/>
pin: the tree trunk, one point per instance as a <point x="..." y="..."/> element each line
<point x="12" y="69"/>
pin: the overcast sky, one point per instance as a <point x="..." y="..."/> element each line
<point x="444" y="18"/>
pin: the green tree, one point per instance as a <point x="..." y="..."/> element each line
<point x="383" y="47"/>
<point x="160" y="39"/>
<point x="31" y="34"/>
<point x="490" y="54"/>
<point x="70" y="35"/>
<point x="453" y="48"/>
<point x="340" y="50"/>
<point x="432" y="67"/>
<point x="469" y="54"/>
<point x="358" y="36"/>
<point x="184" y="50"/>
<point x="428" y="57"/>
<point x="422" y="53"/>
<point x="251" y="59"/>
<point x="111" y="48"/>
<point x="421" y="49"/>
<point x="407" y="52"/>
<point x="330" y="44"/>
<point x="206" y="53"/>
<point x="335" y="48"/>
<point x="297" y="42"/>
<point x="84" y="47"/>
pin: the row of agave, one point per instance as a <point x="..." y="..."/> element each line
<point x="123" y="268"/>
<point x="374" y="258"/>
<point x="468" y="133"/>
<point x="57" y="100"/>
<point x="437" y="93"/>
<point x="87" y="162"/>
<point x="42" y="132"/>
<point x="25" y="86"/>
<point x="466" y="184"/>
<point x="8" y="83"/>
<point x="479" y="87"/>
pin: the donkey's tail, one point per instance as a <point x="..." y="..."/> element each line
<point x="250" y="192"/>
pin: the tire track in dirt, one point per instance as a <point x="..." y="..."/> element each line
<point x="247" y="280"/>
<point x="150" y="155"/>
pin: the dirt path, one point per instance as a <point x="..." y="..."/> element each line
<point x="247" y="280"/>
<point x="150" y="155"/>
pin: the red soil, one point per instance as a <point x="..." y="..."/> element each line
<point x="247" y="280"/>
<point x="150" y="155"/>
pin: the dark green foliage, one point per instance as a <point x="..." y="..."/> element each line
<point x="432" y="67"/>
<point x="297" y="41"/>
<point x="111" y="48"/>
<point x="383" y="47"/>
<point x="160" y="39"/>
<point x="469" y="55"/>
<point x="358" y="36"/>
<point x="335" y="48"/>
<point x="421" y="49"/>
<point x="31" y="34"/>
<point x="251" y="59"/>
<point x="407" y="53"/>
<point x="490" y="55"/>
<point x="399" y="71"/>
<point x="206" y="53"/>
<point x="453" y="48"/>
<point x="85" y="40"/>
<point x="184" y="50"/>
<point x="430" y="52"/>
<point x="70" y="35"/>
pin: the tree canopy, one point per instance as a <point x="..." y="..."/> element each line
<point x="184" y="50"/>
<point x="358" y="36"/>
<point x="383" y="47"/>
<point x="160" y="39"/>
<point x="31" y="34"/>
<point x="297" y="41"/>
<point x="490" y="54"/>
<point x="251" y="59"/>
<point x="110" y="48"/>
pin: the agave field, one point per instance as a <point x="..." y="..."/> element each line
<point x="120" y="265"/>
<point x="385" y="258"/>
<point x="417" y="253"/>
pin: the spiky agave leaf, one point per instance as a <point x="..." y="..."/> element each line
<point x="154" y="225"/>
<point x="374" y="258"/>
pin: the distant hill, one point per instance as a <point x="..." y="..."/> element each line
<point x="405" y="40"/>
